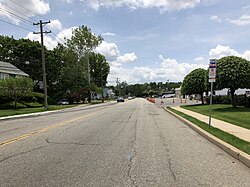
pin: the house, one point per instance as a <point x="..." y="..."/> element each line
<point x="9" y="70"/>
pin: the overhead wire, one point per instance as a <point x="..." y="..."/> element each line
<point x="37" y="15"/>
<point x="5" y="4"/>
<point x="41" y="17"/>
<point x="6" y="12"/>
<point x="16" y="25"/>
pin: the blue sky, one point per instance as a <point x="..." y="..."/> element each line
<point x="144" y="40"/>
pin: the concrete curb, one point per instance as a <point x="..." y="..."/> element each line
<point x="20" y="116"/>
<point x="30" y="115"/>
<point x="233" y="151"/>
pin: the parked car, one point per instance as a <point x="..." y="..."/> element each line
<point x="129" y="98"/>
<point x="120" y="99"/>
<point x="63" y="102"/>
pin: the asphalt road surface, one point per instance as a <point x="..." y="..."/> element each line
<point x="134" y="143"/>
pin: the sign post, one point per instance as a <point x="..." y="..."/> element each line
<point x="212" y="75"/>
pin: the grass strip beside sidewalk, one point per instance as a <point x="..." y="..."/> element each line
<point x="226" y="137"/>
<point x="238" y="116"/>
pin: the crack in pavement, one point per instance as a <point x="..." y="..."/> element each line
<point x="132" y="156"/>
<point x="21" y="153"/>
<point x="75" y="143"/>
<point x="165" y="145"/>
<point x="9" y="130"/>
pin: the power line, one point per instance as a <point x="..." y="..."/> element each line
<point x="16" y="25"/>
<point x="27" y="9"/>
<point x="5" y="4"/>
<point x="39" y="16"/>
<point x="6" y="12"/>
<point x="58" y="38"/>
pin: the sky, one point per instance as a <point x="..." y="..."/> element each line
<point x="144" y="40"/>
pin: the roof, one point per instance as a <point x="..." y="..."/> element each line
<point x="6" y="67"/>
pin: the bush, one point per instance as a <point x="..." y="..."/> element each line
<point x="241" y="100"/>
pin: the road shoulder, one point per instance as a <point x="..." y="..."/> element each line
<point x="236" y="153"/>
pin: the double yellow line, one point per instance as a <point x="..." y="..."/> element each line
<point x="12" y="140"/>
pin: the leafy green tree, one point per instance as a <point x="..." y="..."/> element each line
<point x="232" y="72"/>
<point x="152" y="92"/>
<point x="73" y="73"/>
<point x="82" y="42"/>
<point x="56" y="60"/>
<point x="99" y="69"/>
<point x="195" y="83"/>
<point x="24" y="54"/>
<point x="16" y="88"/>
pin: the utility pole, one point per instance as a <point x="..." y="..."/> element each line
<point x="43" y="61"/>
<point x="119" y="88"/>
<point x="89" y="91"/>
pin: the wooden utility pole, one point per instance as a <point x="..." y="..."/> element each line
<point x="43" y="61"/>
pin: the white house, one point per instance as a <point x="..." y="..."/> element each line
<point x="9" y="70"/>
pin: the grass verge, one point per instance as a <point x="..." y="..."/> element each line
<point x="238" y="116"/>
<point x="226" y="137"/>
<point x="12" y="112"/>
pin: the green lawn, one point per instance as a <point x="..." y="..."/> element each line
<point x="11" y="112"/>
<point x="229" y="138"/>
<point x="238" y="116"/>
<point x="25" y="110"/>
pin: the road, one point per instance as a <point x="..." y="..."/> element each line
<point x="134" y="143"/>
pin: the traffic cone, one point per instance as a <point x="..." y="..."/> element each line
<point x="162" y="102"/>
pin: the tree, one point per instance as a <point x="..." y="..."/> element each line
<point x="99" y="69"/>
<point x="82" y="42"/>
<point x="195" y="83"/>
<point x="16" y="88"/>
<point x="232" y="72"/>
<point x="73" y="73"/>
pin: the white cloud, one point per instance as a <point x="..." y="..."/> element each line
<point x="64" y="34"/>
<point x="55" y="24"/>
<point x="221" y="51"/>
<point x="109" y="50"/>
<point x="215" y="18"/>
<point x="31" y="6"/>
<point x="48" y="41"/>
<point x="68" y="1"/>
<point x="126" y="58"/>
<point x="162" y="5"/>
<point x="242" y="21"/>
<point x="169" y="69"/>
<point x="108" y="34"/>
<point x="200" y="60"/>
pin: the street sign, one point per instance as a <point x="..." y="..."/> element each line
<point x="211" y="80"/>
<point x="212" y="75"/>
<point x="212" y="70"/>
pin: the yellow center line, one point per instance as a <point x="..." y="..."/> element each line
<point x="12" y="140"/>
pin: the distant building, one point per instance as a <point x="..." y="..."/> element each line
<point x="178" y="92"/>
<point x="9" y="70"/>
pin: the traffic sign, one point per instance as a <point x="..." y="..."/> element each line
<point x="212" y="70"/>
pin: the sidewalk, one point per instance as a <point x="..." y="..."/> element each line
<point x="237" y="131"/>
